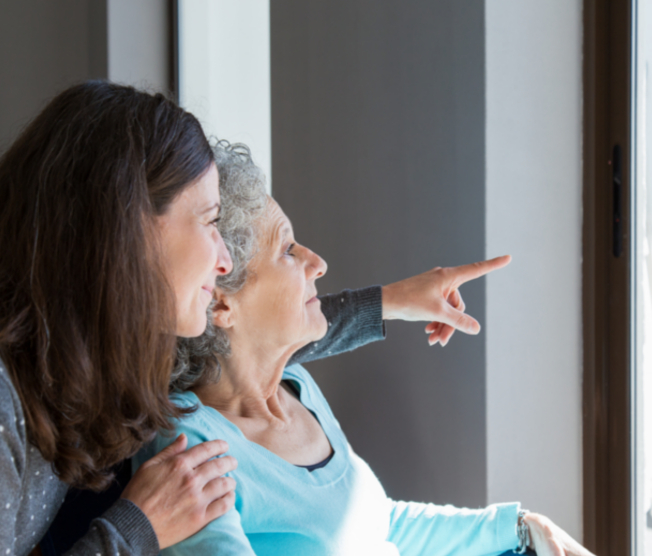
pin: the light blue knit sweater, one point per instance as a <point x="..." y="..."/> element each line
<point x="340" y="509"/>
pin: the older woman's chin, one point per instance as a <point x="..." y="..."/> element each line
<point x="323" y="328"/>
<point x="318" y="330"/>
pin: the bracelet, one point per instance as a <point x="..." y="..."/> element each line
<point x="523" y="532"/>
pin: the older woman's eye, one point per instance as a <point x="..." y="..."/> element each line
<point x="288" y="251"/>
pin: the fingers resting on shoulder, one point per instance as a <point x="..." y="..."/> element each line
<point x="181" y="491"/>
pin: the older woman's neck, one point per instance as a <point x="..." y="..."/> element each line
<point x="249" y="384"/>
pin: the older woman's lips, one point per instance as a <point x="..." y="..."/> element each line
<point x="312" y="300"/>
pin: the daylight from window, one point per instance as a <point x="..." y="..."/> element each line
<point x="642" y="274"/>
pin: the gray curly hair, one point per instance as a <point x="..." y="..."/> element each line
<point x="243" y="201"/>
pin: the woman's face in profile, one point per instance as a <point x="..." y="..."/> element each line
<point x="278" y="304"/>
<point x="193" y="251"/>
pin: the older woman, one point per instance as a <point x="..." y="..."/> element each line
<point x="301" y="489"/>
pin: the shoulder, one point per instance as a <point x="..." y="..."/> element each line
<point x="196" y="424"/>
<point x="13" y="435"/>
<point x="8" y="394"/>
<point x="197" y="416"/>
<point x="199" y="425"/>
<point x="184" y="399"/>
<point x="11" y="409"/>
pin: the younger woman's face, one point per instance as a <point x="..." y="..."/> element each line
<point x="193" y="251"/>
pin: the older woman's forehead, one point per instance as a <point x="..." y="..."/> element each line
<point x="278" y="225"/>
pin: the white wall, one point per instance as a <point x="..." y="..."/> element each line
<point x="138" y="43"/>
<point x="533" y="196"/>
<point x="224" y="71"/>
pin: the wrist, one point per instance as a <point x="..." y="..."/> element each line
<point x="523" y="532"/>
<point x="388" y="302"/>
<point x="530" y="520"/>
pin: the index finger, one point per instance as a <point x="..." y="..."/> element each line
<point x="472" y="271"/>
<point x="201" y="453"/>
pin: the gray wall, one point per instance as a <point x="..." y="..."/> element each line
<point x="378" y="129"/>
<point x="45" y="47"/>
<point x="48" y="45"/>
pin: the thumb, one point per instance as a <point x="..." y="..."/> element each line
<point x="176" y="448"/>
<point x="461" y="321"/>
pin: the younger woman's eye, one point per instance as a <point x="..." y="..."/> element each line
<point x="215" y="221"/>
<point x="288" y="251"/>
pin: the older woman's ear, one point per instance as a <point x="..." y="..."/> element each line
<point x="222" y="310"/>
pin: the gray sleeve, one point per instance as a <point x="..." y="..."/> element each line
<point x="122" y="530"/>
<point x="12" y="466"/>
<point x="355" y="318"/>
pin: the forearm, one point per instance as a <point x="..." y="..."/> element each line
<point x="417" y="529"/>
<point x="122" y="530"/>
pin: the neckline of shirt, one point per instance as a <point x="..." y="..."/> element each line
<point x="323" y="476"/>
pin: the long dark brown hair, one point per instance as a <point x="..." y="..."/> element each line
<point x="84" y="303"/>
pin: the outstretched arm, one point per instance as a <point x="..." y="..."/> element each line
<point x="355" y="317"/>
<point x="434" y="297"/>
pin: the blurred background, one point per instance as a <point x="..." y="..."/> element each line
<point x="397" y="136"/>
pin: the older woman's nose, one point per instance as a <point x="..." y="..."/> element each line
<point x="224" y="263"/>
<point x="318" y="264"/>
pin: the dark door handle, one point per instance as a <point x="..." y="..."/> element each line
<point x="617" y="185"/>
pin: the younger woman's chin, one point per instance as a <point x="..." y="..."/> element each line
<point x="192" y="329"/>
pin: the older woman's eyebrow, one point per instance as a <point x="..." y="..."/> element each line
<point x="281" y="233"/>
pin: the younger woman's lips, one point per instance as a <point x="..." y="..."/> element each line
<point x="312" y="300"/>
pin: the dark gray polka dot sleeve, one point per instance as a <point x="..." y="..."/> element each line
<point x="355" y="318"/>
<point x="31" y="494"/>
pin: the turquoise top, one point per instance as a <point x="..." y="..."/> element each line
<point x="340" y="509"/>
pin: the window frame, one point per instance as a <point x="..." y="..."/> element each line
<point x="607" y="446"/>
